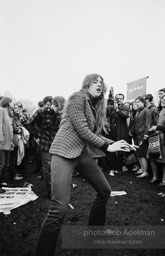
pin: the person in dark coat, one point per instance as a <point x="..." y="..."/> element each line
<point x="121" y="115"/>
<point x="122" y="129"/>
<point x="140" y="130"/>
<point x="152" y="108"/>
<point x="43" y="125"/>
<point x="159" y="127"/>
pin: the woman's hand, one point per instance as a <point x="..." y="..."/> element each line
<point x="131" y="146"/>
<point x="121" y="145"/>
<point x="153" y="129"/>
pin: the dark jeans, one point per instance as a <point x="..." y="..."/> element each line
<point x="4" y="163"/>
<point x="46" y="163"/>
<point x="61" y="178"/>
<point x="38" y="167"/>
<point x="13" y="162"/>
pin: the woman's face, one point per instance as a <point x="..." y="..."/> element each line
<point x="16" y="109"/>
<point x="96" y="87"/>
<point x="139" y="104"/>
<point x="58" y="107"/>
<point x="134" y="106"/>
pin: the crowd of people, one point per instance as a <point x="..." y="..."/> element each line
<point x="136" y="122"/>
<point x="85" y="135"/>
<point x="132" y="121"/>
<point x="23" y="136"/>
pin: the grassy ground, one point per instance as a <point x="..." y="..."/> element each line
<point x="140" y="207"/>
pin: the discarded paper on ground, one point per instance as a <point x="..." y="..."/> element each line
<point x="15" y="197"/>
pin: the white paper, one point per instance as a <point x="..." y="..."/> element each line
<point x="15" y="197"/>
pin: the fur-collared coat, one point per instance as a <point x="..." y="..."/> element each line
<point x="6" y="131"/>
<point x="77" y="128"/>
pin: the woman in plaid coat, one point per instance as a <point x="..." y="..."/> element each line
<point x="82" y="122"/>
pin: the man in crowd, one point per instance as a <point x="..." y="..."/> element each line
<point x="122" y="131"/>
<point x="44" y="125"/>
<point x="161" y="93"/>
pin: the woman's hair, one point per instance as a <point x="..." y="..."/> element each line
<point x="5" y="102"/>
<point x="101" y="121"/>
<point x="142" y="99"/>
<point x="59" y="101"/>
<point x="149" y="97"/>
<point x="16" y="115"/>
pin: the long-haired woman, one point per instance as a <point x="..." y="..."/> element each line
<point x="83" y="120"/>
<point x="14" y="153"/>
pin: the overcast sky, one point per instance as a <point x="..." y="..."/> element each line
<point x="47" y="47"/>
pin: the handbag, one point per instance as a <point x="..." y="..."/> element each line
<point x="130" y="159"/>
<point x="154" y="149"/>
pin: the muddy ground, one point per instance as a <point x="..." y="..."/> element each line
<point x="140" y="207"/>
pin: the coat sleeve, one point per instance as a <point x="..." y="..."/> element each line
<point x="154" y="116"/>
<point x="106" y="139"/>
<point x="76" y="113"/>
<point x="1" y="123"/>
<point x="123" y="112"/>
<point x="160" y="128"/>
<point x="148" y="121"/>
<point x="8" y="125"/>
<point x="34" y="124"/>
<point x="132" y="128"/>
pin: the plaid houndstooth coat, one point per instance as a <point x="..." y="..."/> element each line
<point x="76" y="128"/>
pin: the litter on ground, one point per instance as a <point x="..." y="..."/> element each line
<point x="15" y="197"/>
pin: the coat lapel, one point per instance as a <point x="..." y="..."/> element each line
<point x="91" y="114"/>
